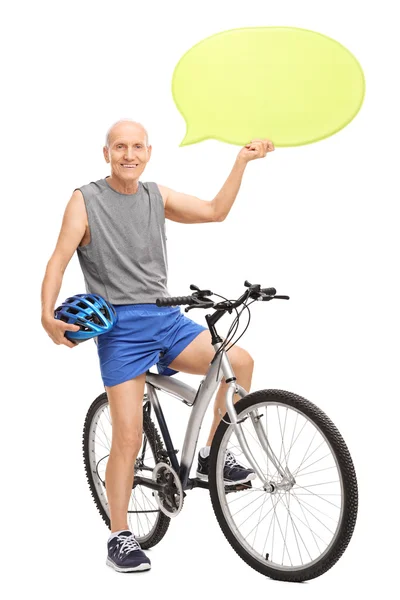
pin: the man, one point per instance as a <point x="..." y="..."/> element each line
<point x="117" y="227"/>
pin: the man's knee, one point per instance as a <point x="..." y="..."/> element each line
<point x="240" y="359"/>
<point x="126" y="440"/>
<point x="126" y="408"/>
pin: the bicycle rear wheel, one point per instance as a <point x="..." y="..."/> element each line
<point x="145" y="519"/>
<point x="298" y="531"/>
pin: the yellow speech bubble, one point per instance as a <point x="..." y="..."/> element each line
<point x="293" y="86"/>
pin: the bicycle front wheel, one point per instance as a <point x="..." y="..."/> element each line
<point x="299" y="530"/>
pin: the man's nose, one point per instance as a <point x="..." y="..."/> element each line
<point x="130" y="153"/>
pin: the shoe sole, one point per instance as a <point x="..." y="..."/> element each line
<point x="229" y="482"/>
<point x="141" y="567"/>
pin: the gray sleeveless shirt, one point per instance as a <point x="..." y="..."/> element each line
<point x="126" y="258"/>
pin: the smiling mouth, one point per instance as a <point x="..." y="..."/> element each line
<point x="133" y="166"/>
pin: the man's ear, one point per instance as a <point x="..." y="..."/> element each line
<point x="149" y="149"/>
<point x="106" y="155"/>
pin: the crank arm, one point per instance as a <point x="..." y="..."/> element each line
<point x="146" y="482"/>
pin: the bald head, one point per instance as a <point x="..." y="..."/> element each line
<point x="127" y="150"/>
<point x="124" y="126"/>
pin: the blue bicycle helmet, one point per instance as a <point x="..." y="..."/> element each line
<point x="91" y="312"/>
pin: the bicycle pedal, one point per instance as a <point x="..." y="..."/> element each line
<point x="239" y="487"/>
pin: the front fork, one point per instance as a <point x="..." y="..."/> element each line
<point x="287" y="480"/>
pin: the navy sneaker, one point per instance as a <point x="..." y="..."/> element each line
<point x="125" y="553"/>
<point x="233" y="471"/>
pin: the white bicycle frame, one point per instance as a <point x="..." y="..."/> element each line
<point x="200" y="400"/>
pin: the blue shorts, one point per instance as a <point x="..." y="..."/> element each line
<point x="141" y="333"/>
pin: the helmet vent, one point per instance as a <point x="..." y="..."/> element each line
<point x="95" y="319"/>
<point x="105" y="312"/>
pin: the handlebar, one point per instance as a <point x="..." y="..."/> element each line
<point x="199" y="299"/>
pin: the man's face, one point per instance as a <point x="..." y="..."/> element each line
<point x="127" y="152"/>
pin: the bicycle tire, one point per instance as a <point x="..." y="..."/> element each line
<point x="156" y="444"/>
<point x="350" y="488"/>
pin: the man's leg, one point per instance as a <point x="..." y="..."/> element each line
<point x="243" y="371"/>
<point x="196" y="358"/>
<point x="126" y="408"/>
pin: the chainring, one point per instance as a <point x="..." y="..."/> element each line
<point x="170" y="501"/>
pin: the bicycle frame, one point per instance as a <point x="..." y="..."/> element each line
<point x="200" y="400"/>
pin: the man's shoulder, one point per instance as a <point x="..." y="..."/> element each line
<point x="156" y="188"/>
<point x="94" y="185"/>
<point x="150" y="184"/>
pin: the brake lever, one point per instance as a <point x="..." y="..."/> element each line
<point x="200" y="292"/>
<point x="199" y="300"/>
<point x="208" y="304"/>
<point x="266" y="298"/>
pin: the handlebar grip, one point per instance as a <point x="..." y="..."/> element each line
<point x="269" y="291"/>
<point x="174" y="301"/>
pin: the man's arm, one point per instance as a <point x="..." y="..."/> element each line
<point x="72" y="231"/>
<point x="189" y="209"/>
<point x="184" y="208"/>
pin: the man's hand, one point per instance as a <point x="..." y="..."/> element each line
<point x="56" y="328"/>
<point x="256" y="149"/>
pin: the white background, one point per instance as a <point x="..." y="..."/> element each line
<point x="317" y="222"/>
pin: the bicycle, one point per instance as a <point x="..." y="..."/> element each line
<point x="294" y="526"/>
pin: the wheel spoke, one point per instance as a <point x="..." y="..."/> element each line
<point x="247" y="505"/>
<point x="251" y="514"/>
<point x="287" y="521"/>
<point x="101" y="443"/>
<point x="296" y="533"/>
<point x="282" y="448"/>
<point x="318" y="495"/>
<point x="302" y="462"/>
<point x="261" y="509"/>
<point x="317" y="471"/>
<point x="291" y="441"/>
<point x="105" y="434"/>
<point x="107" y="414"/>
<point x="304" y="503"/>
<point x="312" y="514"/>
<point x="244" y="495"/>
<point x="281" y="532"/>
<point x="295" y="528"/>
<point x="266" y="515"/>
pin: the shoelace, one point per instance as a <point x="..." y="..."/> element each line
<point x="129" y="543"/>
<point x="231" y="461"/>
